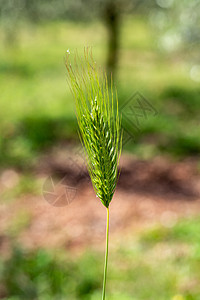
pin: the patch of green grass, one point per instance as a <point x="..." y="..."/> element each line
<point x="160" y="263"/>
<point x="183" y="231"/>
<point x="31" y="275"/>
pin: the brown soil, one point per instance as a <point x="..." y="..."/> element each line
<point x="149" y="192"/>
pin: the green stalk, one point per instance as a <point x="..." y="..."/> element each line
<point x="99" y="129"/>
<point x="106" y="257"/>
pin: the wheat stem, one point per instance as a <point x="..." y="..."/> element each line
<point x="99" y="128"/>
<point x="106" y="257"/>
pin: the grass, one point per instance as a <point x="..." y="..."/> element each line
<point x="35" y="96"/>
<point x="159" y="263"/>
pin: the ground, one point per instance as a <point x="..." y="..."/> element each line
<point x="149" y="192"/>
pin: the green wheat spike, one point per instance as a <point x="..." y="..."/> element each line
<point x="99" y="127"/>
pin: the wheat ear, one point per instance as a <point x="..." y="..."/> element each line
<point x="99" y="128"/>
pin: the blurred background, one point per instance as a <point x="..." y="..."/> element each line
<point x="52" y="227"/>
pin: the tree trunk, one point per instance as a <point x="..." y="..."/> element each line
<point x="112" y="18"/>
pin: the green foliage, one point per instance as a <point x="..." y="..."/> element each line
<point x="186" y="99"/>
<point x="158" y="263"/>
<point x="33" y="135"/>
<point x="36" y="108"/>
<point x="98" y="122"/>
<point x="39" y="275"/>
